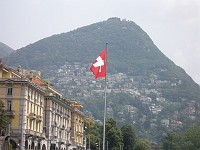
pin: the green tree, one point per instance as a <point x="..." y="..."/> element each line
<point x="92" y="133"/>
<point x="191" y="138"/>
<point x="172" y="141"/>
<point x="4" y="120"/>
<point x="113" y="135"/>
<point x="129" y="137"/>
<point x="142" y="145"/>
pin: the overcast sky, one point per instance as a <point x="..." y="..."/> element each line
<point x="173" y="25"/>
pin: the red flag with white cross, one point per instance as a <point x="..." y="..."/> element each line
<point x="99" y="65"/>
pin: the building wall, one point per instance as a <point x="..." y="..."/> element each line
<point x="58" y="120"/>
<point x="43" y="118"/>
<point x="77" y="128"/>
<point x="34" y="109"/>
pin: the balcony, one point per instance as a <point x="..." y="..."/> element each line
<point x="39" y="118"/>
<point x="61" y="141"/>
<point x="10" y="113"/>
<point x="37" y="134"/>
<point x="44" y="129"/>
<point x="78" y="133"/>
<point x="53" y="137"/>
<point x="69" y="129"/>
<point x="32" y="116"/>
<point x="42" y="136"/>
<point x="62" y="127"/>
<point x="29" y="132"/>
<point x="57" y="112"/>
<point x="54" y="124"/>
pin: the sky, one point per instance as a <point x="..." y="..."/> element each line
<point x="173" y="25"/>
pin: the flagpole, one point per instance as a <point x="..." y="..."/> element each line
<point x="104" y="119"/>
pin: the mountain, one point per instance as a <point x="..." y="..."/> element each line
<point x="125" y="39"/>
<point x="130" y="51"/>
<point x="145" y="88"/>
<point x="5" y="50"/>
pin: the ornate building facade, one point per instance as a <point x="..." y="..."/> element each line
<point x="40" y="118"/>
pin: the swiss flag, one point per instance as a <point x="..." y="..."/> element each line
<point x="99" y="65"/>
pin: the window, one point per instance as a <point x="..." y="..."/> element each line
<point x="31" y="91"/>
<point x="53" y="106"/>
<point x="37" y="129"/>
<point x="9" y="105"/>
<point x="28" y="93"/>
<point x="38" y="98"/>
<point x="31" y="124"/>
<point x="27" y="107"/>
<point x="9" y="91"/>
<point x="31" y="108"/>
<point x="27" y="123"/>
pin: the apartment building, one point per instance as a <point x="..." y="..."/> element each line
<point x="40" y="118"/>
<point x="77" y="126"/>
<point x="23" y="100"/>
<point x="63" y="121"/>
<point x="57" y="117"/>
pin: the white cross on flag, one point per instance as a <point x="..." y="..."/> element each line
<point x="99" y="65"/>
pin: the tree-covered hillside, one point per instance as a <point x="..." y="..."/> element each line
<point x="5" y="50"/>
<point x="130" y="48"/>
<point x="130" y="51"/>
<point x="145" y="88"/>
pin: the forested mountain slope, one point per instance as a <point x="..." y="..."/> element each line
<point x="145" y="87"/>
<point x="5" y="50"/>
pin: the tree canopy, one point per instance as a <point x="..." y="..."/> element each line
<point x="4" y="120"/>
<point x="190" y="140"/>
<point x="129" y="137"/>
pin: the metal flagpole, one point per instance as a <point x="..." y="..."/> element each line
<point x="104" y="119"/>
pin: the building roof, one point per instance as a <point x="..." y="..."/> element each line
<point x="39" y="81"/>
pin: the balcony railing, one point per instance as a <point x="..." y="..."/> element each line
<point x="69" y="129"/>
<point x="32" y="116"/>
<point x="10" y="113"/>
<point x="39" y="118"/>
<point x="42" y="136"/>
<point x="61" y="141"/>
<point x="62" y="127"/>
<point x="29" y="132"/>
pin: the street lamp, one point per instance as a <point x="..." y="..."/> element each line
<point x="88" y="138"/>
<point x="98" y="145"/>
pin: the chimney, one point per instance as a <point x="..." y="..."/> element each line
<point x="31" y="75"/>
<point x="19" y="68"/>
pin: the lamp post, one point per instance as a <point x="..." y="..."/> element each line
<point x="85" y="142"/>
<point x="88" y="137"/>
<point x="107" y="145"/>
<point x="98" y="145"/>
<point x="89" y="142"/>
